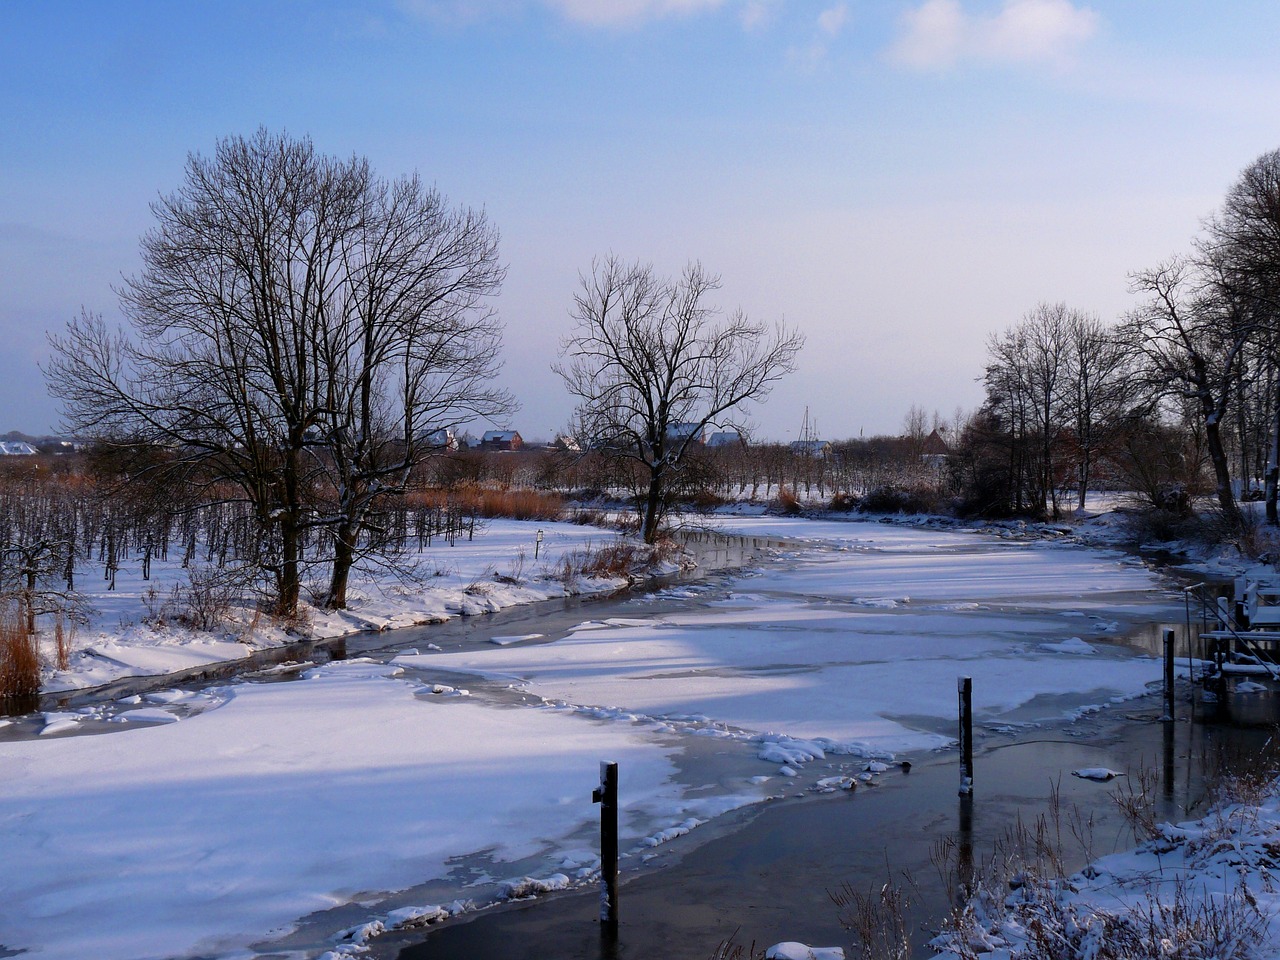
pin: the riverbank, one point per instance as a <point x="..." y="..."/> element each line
<point x="766" y="874"/>
<point x="433" y="776"/>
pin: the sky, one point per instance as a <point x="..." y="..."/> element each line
<point x="898" y="179"/>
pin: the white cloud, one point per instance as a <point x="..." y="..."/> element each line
<point x="812" y="55"/>
<point x="756" y="13"/>
<point x="621" y="12"/>
<point x="832" y="20"/>
<point x="604" y="13"/>
<point x="940" y="33"/>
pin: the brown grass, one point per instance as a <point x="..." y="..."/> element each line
<point x="62" y="637"/>
<point x="489" y="502"/>
<point x="19" y="660"/>
<point x="787" y="501"/>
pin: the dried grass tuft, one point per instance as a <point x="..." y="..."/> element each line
<point x="19" y="659"/>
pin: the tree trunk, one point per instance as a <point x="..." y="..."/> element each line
<point x="1221" y="471"/>
<point x="652" y="509"/>
<point x="289" y="579"/>
<point x="1273" y="465"/>
<point x="344" y="551"/>
<point x="29" y="602"/>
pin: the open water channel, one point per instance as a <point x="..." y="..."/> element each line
<point x="853" y="640"/>
<point x="901" y="612"/>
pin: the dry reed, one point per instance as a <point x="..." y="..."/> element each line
<point x="19" y="659"/>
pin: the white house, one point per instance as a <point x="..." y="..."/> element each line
<point x="692" y="432"/>
<point x="726" y="438"/>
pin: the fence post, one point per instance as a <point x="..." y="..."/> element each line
<point x="1168" y="675"/>
<point x="965" y="687"/>
<point x="607" y="796"/>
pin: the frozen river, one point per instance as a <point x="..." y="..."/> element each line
<point x="271" y="816"/>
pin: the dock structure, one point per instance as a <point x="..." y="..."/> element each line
<point x="1243" y="635"/>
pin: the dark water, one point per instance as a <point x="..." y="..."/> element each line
<point x="766" y="878"/>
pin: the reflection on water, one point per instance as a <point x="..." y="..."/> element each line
<point x="766" y="881"/>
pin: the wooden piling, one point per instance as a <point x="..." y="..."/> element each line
<point x="1168" y="675"/>
<point x="965" y="688"/>
<point x="607" y="796"/>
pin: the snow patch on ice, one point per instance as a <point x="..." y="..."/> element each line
<point x="1073" y="645"/>
<point x="527" y="887"/>
<point x="791" y="950"/>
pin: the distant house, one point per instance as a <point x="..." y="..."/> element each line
<point x="726" y="438"/>
<point x="691" y="433"/>
<point x="501" y="440"/>
<point x="935" y="452"/>
<point x="565" y="444"/>
<point x="16" y="448"/>
<point x="814" y="449"/>
<point x="442" y="439"/>
<point x="934" y="446"/>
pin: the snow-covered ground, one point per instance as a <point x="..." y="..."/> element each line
<point x="202" y="823"/>
<point x="494" y="570"/>
<point x="1201" y="888"/>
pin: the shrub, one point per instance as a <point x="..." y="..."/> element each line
<point x="787" y="502"/>
<point x="891" y="499"/>
<point x="843" y="503"/>
<point x="19" y="659"/>
<point x="209" y="596"/>
<point x="704" y="501"/>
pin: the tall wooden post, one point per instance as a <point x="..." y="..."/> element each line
<point x="1168" y="676"/>
<point x="965" y="687"/>
<point x="607" y="796"/>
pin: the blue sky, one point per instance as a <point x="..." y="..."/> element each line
<point x="897" y="178"/>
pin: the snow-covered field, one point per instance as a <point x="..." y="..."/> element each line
<point x="202" y="823"/>
<point x="469" y="577"/>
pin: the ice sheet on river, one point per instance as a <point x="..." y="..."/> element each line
<point x="225" y="827"/>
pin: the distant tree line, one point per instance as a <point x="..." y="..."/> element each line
<point x="1184" y="387"/>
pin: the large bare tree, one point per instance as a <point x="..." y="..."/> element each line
<point x="652" y="363"/>
<point x="409" y="352"/>
<point x="1190" y="333"/>
<point x="1242" y="248"/>
<point x="284" y="337"/>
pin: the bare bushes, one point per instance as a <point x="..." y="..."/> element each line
<point x="615" y="559"/>
<point x="209" y="595"/>
<point x="1024" y="905"/>
<point x="19" y="658"/>
<point x="891" y="499"/>
<point x="877" y="920"/>
<point x="787" y="503"/>
<point x="1186" y="924"/>
<point x="204" y="602"/>
<point x="514" y="504"/>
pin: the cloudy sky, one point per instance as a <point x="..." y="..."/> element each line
<point x="897" y="178"/>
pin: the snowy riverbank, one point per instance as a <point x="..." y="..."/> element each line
<point x="135" y="628"/>
<point x="214" y="822"/>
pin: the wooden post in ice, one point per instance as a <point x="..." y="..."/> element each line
<point x="607" y="796"/>
<point x="965" y="687"/>
<point x="1168" y="675"/>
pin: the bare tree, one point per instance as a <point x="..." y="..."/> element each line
<point x="408" y="353"/>
<point x="1243" y="244"/>
<point x="1098" y="392"/>
<point x="1190" y="333"/>
<point x="1024" y="379"/>
<point x="285" y="333"/>
<point x="652" y="364"/>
